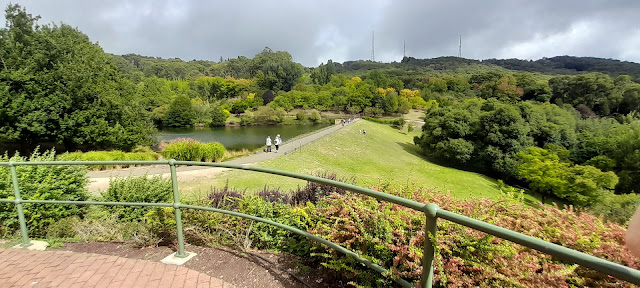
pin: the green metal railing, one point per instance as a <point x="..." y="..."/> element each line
<point x="432" y="213"/>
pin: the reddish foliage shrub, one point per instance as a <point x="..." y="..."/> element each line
<point x="393" y="236"/>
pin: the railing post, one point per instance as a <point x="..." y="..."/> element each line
<point x="176" y="208"/>
<point x="18" y="201"/>
<point x="429" y="251"/>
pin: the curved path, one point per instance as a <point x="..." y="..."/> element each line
<point x="99" y="180"/>
<point x="25" y="268"/>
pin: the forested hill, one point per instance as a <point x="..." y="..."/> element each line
<point x="567" y="65"/>
<point x="571" y="65"/>
<point x="174" y="69"/>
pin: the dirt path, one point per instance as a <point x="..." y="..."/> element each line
<point x="99" y="180"/>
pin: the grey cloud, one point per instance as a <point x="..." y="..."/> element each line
<point x="314" y="31"/>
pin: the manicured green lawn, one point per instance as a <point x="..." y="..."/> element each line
<point x="383" y="155"/>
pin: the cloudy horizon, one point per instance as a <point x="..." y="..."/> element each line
<point x="315" y="31"/>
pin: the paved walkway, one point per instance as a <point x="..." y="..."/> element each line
<point x="25" y="268"/>
<point x="287" y="147"/>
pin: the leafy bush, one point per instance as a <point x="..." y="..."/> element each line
<point x="213" y="152"/>
<point x="136" y="189"/>
<point x="192" y="150"/>
<point x="373" y="111"/>
<point x="144" y="154"/>
<point x="268" y="115"/>
<point x="42" y="183"/>
<point x="180" y="113"/>
<point x="315" y="116"/>
<point x="301" y="115"/>
<point x="101" y="226"/>
<point x="616" y="208"/>
<point x="396" y="122"/>
<point x="225" y="197"/>
<point x="393" y="236"/>
<point x="188" y="150"/>
<point x="271" y="237"/>
<point x="218" y="117"/>
<point x="546" y="173"/>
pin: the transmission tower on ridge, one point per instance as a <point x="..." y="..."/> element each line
<point x="460" y="48"/>
<point x="373" y="51"/>
<point x="404" y="49"/>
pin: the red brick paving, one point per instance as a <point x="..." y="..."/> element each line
<point x="25" y="268"/>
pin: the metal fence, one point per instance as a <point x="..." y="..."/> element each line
<point x="431" y="211"/>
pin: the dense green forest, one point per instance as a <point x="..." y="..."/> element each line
<point x="575" y="136"/>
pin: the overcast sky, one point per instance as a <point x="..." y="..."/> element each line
<point x="316" y="30"/>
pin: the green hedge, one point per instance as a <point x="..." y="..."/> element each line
<point x="115" y="155"/>
<point x="41" y="183"/>
<point x="396" y="122"/>
<point x="192" y="150"/>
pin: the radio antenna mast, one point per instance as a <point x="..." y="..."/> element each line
<point x="373" y="51"/>
<point x="460" y="48"/>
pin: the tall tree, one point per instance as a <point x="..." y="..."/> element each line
<point x="180" y="113"/>
<point x="59" y="87"/>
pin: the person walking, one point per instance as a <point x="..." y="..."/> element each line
<point x="278" y="142"/>
<point x="268" y="143"/>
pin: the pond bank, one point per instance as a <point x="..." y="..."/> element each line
<point x="99" y="180"/>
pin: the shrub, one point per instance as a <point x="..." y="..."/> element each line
<point x="409" y="128"/>
<point x="143" y="149"/>
<point x="180" y="113"/>
<point x="225" y="197"/>
<point x="393" y="236"/>
<point x="101" y="226"/>
<point x="616" y="208"/>
<point x="373" y="111"/>
<point x="213" y="152"/>
<point x="301" y="115"/>
<point x="397" y="122"/>
<point x="136" y="189"/>
<point x="42" y="183"/>
<point x="315" y="116"/>
<point x="140" y="153"/>
<point x="187" y="150"/>
<point x="218" y="117"/>
<point x="272" y="237"/>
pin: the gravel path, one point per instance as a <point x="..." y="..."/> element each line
<point x="99" y="180"/>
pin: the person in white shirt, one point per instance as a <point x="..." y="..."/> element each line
<point x="268" y="143"/>
<point x="278" y="142"/>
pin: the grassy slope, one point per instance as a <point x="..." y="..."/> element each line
<point x="384" y="155"/>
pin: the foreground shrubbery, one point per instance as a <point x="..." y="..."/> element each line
<point x="192" y="150"/>
<point x="387" y="234"/>
<point x="391" y="235"/>
<point x="41" y="183"/>
<point x="139" y="154"/>
<point x="136" y="189"/>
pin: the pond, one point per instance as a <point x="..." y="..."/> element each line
<point x="238" y="137"/>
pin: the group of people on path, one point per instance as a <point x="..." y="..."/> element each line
<point x="276" y="142"/>
<point x="346" y="121"/>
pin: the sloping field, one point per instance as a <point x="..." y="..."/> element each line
<point x="383" y="155"/>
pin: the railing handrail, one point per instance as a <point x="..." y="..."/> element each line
<point x="432" y="213"/>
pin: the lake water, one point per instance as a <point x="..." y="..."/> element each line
<point x="236" y="138"/>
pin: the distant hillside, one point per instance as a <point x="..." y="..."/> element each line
<point x="571" y="65"/>
<point x="555" y="65"/>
